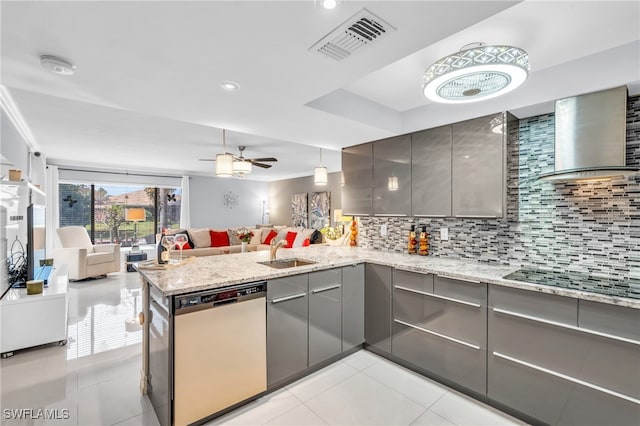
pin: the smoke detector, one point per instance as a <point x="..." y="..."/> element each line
<point x="360" y="30"/>
<point x="57" y="65"/>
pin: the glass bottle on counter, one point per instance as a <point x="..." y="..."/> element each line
<point x="160" y="249"/>
<point x="424" y="242"/>
<point x="411" y="245"/>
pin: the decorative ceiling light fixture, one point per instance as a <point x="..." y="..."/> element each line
<point x="229" y="85"/>
<point x="320" y="173"/>
<point x="477" y="72"/>
<point x="329" y="4"/>
<point x="224" y="162"/>
<point x="240" y="165"/>
<point x="57" y="65"/>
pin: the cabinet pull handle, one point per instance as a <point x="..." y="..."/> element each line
<point x="459" y="279"/>
<point x="442" y="336"/>
<point x="437" y="296"/>
<point x="285" y="298"/>
<point x="567" y="326"/>
<point x="568" y="378"/>
<point x="430" y="215"/>
<point x="320" y="290"/>
<point x="479" y="216"/>
<point x="391" y="214"/>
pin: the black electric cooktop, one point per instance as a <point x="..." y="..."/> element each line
<point x="629" y="288"/>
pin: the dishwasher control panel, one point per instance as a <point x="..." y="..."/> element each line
<point x="213" y="298"/>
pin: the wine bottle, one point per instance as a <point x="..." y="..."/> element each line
<point x="160" y="250"/>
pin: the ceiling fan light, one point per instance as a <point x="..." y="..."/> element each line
<point x="320" y="175"/>
<point x="476" y="73"/>
<point x="224" y="165"/>
<point x="241" y="167"/>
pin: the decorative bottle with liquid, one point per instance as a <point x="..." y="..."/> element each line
<point x="411" y="245"/>
<point x="160" y="249"/>
<point x="424" y="242"/>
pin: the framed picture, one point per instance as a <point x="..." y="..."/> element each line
<point x="299" y="215"/>
<point x="319" y="209"/>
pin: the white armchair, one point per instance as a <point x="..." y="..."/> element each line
<point x="83" y="258"/>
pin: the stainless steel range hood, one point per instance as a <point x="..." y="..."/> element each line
<point x="590" y="137"/>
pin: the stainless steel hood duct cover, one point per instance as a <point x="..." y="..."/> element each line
<point x="590" y="137"/>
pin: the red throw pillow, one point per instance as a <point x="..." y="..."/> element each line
<point x="219" y="239"/>
<point x="291" y="236"/>
<point x="306" y="243"/>
<point x="270" y="237"/>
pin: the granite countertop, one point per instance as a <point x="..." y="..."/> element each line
<point x="209" y="272"/>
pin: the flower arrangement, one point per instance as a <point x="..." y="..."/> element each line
<point x="244" y="235"/>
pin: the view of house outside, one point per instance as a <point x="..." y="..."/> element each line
<point x="110" y="211"/>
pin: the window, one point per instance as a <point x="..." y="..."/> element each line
<point x="124" y="214"/>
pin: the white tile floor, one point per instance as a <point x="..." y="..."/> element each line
<point x="96" y="378"/>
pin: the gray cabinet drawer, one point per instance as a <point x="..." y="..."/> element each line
<point x="554" y="308"/>
<point x="555" y="400"/>
<point x="325" y="315"/>
<point x="352" y="306"/>
<point x="610" y="319"/>
<point x="467" y="291"/>
<point x="287" y="286"/>
<point x="456" y="320"/>
<point x="451" y="361"/>
<point x="413" y="280"/>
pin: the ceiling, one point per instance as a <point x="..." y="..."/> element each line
<point x="146" y="94"/>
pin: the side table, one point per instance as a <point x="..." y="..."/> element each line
<point x="134" y="258"/>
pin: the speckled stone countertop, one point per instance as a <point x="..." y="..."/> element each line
<point x="209" y="272"/>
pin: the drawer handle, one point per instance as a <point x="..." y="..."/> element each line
<point x="437" y="296"/>
<point x="391" y="214"/>
<point x="284" y="299"/>
<point x="459" y="279"/>
<point x="442" y="336"/>
<point x="479" y="216"/>
<point x="320" y="290"/>
<point x="568" y="378"/>
<point x="430" y="215"/>
<point x="569" y="327"/>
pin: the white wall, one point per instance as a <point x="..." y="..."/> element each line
<point x="15" y="151"/>
<point x="207" y="205"/>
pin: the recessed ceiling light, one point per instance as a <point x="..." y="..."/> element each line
<point x="229" y="85"/>
<point x="57" y="65"/>
<point x="329" y="4"/>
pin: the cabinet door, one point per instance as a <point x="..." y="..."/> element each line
<point x="287" y="327"/>
<point x="392" y="176"/>
<point x="357" y="171"/>
<point x="431" y="172"/>
<point x="478" y="178"/>
<point x="377" y="307"/>
<point x="325" y="315"/>
<point x="352" y="306"/>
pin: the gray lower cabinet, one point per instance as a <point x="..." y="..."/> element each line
<point x="478" y="177"/>
<point x="357" y="171"/>
<point x="546" y="363"/>
<point x="352" y="306"/>
<point x="325" y="315"/>
<point x="287" y="327"/>
<point x="392" y="176"/>
<point x="431" y="172"/>
<point x="377" y="306"/>
<point x="439" y="325"/>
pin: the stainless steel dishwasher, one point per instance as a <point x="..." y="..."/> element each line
<point x="220" y="355"/>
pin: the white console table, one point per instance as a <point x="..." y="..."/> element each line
<point x="36" y="319"/>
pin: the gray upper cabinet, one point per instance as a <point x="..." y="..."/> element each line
<point x="478" y="178"/>
<point x="392" y="176"/>
<point x="357" y="171"/>
<point x="431" y="172"/>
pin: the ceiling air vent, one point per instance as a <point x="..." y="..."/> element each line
<point x="359" y="30"/>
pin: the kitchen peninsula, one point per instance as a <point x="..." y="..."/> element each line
<point x="519" y="346"/>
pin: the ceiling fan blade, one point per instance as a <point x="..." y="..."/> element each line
<point x="264" y="159"/>
<point x="206" y="159"/>
<point x="264" y="166"/>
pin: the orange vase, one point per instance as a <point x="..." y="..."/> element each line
<point x="354" y="233"/>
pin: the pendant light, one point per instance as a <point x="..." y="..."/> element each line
<point x="475" y="73"/>
<point x="224" y="162"/>
<point x="320" y="173"/>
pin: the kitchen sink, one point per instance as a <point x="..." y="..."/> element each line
<point x="287" y="263"/>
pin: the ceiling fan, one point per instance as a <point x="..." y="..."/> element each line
<point x="259" y="162"/>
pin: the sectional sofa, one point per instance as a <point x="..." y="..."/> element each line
<point x="214" y="241"/>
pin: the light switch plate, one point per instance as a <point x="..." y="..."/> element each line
<point x="444" y="234"/>
<point x="383" y="230"/>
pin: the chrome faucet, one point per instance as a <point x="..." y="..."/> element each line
<point x="274" y="248"/>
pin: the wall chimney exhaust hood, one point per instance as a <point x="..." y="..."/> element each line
<point x="590" y="137"/>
